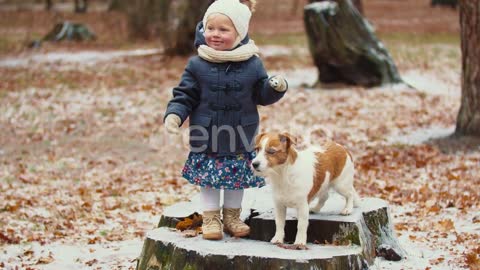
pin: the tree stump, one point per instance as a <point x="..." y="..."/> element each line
<point x="70" y="31"/>
<point x="344" y="46"/>
<point x="334" y="241"/>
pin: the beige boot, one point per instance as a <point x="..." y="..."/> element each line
<point x="233" y="225"/>
<point x="212" y="228"/>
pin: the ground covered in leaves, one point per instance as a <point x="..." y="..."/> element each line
<point x="84" y="159"/>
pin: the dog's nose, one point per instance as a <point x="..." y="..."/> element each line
<point x="255" y="164"/>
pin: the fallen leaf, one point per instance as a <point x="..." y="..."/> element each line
<point x="473" y="261"/>
<point x="445" y="225"/>
<point x="46" y="260"/>
<point x="91" y="262"/>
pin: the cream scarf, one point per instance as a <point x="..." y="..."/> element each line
<point x="239" y="54"/>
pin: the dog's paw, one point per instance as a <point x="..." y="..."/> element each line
<point x="300" y="247"/>
<point x="346" y="212"/>
<point x="277" y="240"/>
<point x="300" y="242"/>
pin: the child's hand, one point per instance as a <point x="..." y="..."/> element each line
<point x="278" y="83"/>
<point x="172" y="123"/>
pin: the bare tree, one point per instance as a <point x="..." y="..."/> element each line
<point x="177" y="23"/>
<point x="48" y="5"/>
<point x="174" y="21"/>
<point x="468" y="120"/>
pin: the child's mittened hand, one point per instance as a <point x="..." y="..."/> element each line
<point x="278" y="83"/>
<point x="172" y="123"/>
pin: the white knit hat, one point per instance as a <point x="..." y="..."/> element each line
<point x="233" y="9"/>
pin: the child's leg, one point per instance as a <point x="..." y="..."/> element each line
<point x="232" y="207"/>
<point x="212" y="228"/>
<point x="210" y="199"/>
<point x="232" y="198"/>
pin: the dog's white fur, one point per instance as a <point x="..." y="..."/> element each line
<point x="292" y="182"/>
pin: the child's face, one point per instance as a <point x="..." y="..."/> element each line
<point x="220" y="34"/>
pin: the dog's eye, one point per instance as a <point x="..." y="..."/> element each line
<point x="271" y="151"/>
<point x="257" y="149"/>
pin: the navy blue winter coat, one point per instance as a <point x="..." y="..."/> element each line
<point x="221" y="100"/>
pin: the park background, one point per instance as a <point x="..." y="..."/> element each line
<point x="86" y="168"/>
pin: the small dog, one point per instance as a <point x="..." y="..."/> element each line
<point x="297" y="177"/>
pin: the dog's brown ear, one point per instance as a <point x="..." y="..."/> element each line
<point x="259" y="137"/>
<point x="288" y="139"/>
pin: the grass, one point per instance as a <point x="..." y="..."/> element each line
<point x="284" y="39"/>
<point x="413" y="50"/>
<point x="414" y="39"/>
<point x="407" y="49"/>
<point x="8" y="44"/>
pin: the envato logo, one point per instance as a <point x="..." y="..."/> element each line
<point x="221" y="135"/>
<point x="198" y="138"/>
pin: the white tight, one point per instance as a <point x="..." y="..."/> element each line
<point x="211" y="198"/>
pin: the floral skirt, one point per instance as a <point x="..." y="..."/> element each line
<point x="225" y="172"/>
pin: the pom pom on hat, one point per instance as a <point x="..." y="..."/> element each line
<point x="238" y="13"/>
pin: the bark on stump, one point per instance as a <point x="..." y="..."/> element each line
<point x="344" y="46"/>
<point x="357" y="238"/>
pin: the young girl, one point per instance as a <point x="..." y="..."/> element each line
<point x="199" y="30"/>
<point x="219" y="92"/>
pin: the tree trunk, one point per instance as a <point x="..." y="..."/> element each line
<point x="357" y="3"/>
<point x="81" y="6"/>
<point x="177" y="23"/>
<point x="468" y="120"/>
<point x="48" y="5"/>
<point x="344" y="46"/>
<point x="174" y="21"/>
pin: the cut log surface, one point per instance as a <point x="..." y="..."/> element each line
<point x="169" y="250"/>
<point x="334" y="241"/>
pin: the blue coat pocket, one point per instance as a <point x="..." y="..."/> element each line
<point x="246" y="132"/>
<point x="199" y="132"/>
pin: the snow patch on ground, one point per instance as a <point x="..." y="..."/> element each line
<point x="83" y="57"/>
<point x="422" y="252"/>
<point x="297" y="78"/>
<point x="432" y="84"/>
<point x="422" y="135"/>
<point x="276" y="50"/>
<point x="114" y="255"/>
